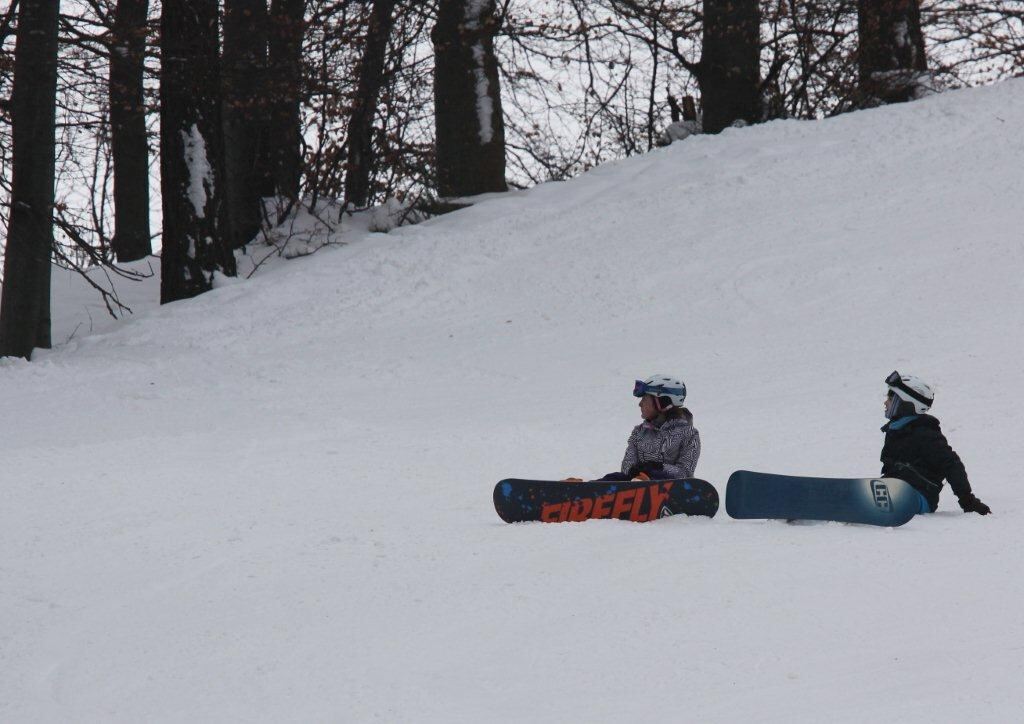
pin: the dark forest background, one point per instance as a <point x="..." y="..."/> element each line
<point x="187" y="127"/>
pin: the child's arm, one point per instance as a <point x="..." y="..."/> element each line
<point x="631" y="458"/>
<point x="945" y="459"/>
<point x="681" y="452"/>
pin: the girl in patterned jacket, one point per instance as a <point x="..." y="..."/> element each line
<point x="666" y="444"/>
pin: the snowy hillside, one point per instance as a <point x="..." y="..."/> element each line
<point x="273" y="502"/>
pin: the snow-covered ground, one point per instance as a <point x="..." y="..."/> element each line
<point x="273" y="502"/>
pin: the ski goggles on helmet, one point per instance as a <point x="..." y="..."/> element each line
<point x="641" y="388"/>
<point x="895" y="380"/>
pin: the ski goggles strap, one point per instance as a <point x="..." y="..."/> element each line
<point x="641" y="388"/>
<point x="894" y="380"/>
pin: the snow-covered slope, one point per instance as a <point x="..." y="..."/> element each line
<point x="273" y="502"/>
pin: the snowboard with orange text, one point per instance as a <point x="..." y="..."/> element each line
<point x="560" y="502"/>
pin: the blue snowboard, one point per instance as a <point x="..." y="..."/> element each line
<point x="869" y="501"/>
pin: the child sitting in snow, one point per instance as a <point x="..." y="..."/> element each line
<point x="665" y="445"/>
<point x="915" y="449"/>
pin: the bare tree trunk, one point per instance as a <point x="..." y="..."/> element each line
<point x="467" y="96"/>
<point x="360" y="128"/>
<point x="25" y="300"/>
<point x="195" y="242"/>
<point x="128" y="142"/>
<point x="730" y="70"/>
<point x="891" y="56"/>
<point x="286" y="29"/>
<point x="245" y="111"/>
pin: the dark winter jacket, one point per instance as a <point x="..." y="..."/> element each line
<point x="663" y="449"/>
<point x="920" y="444"/>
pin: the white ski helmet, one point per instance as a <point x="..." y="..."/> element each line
<point x="662" y="386"/>
<point x="911" y="389"/>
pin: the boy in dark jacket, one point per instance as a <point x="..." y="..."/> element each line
<point x="915" y="449"/>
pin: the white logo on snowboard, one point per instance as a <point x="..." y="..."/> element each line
<point x="881" y="494"/>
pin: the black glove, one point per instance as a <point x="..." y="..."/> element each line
<point x="651" y="468"/>
<point x="971" y="504"/>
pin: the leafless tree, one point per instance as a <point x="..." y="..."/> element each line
<point x="195" y="239"/>
<point x="286" y="30"/>
<point x="890" y="56"/>
<point x="25" y="300"/>
<point x="730" y="65"/>
<point x="129" y="144"/>
<point x="364" y="106"/>
<point x="245" y="105"/>
<point x="470" y="133"/>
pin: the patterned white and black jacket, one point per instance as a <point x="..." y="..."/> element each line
<point x="674" y="443"/>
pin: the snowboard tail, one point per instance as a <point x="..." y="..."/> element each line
<point x="870" y="501"/>
<point x="518" y="500"/>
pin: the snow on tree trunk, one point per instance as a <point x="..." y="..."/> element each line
<point x="195" y="242"/>
<point x="201" y="183"/>
<point x="484" y="102"/>
<point x="469" y="123"/>
<point x="25" y="301"/>
<point x="891" y="57"/>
